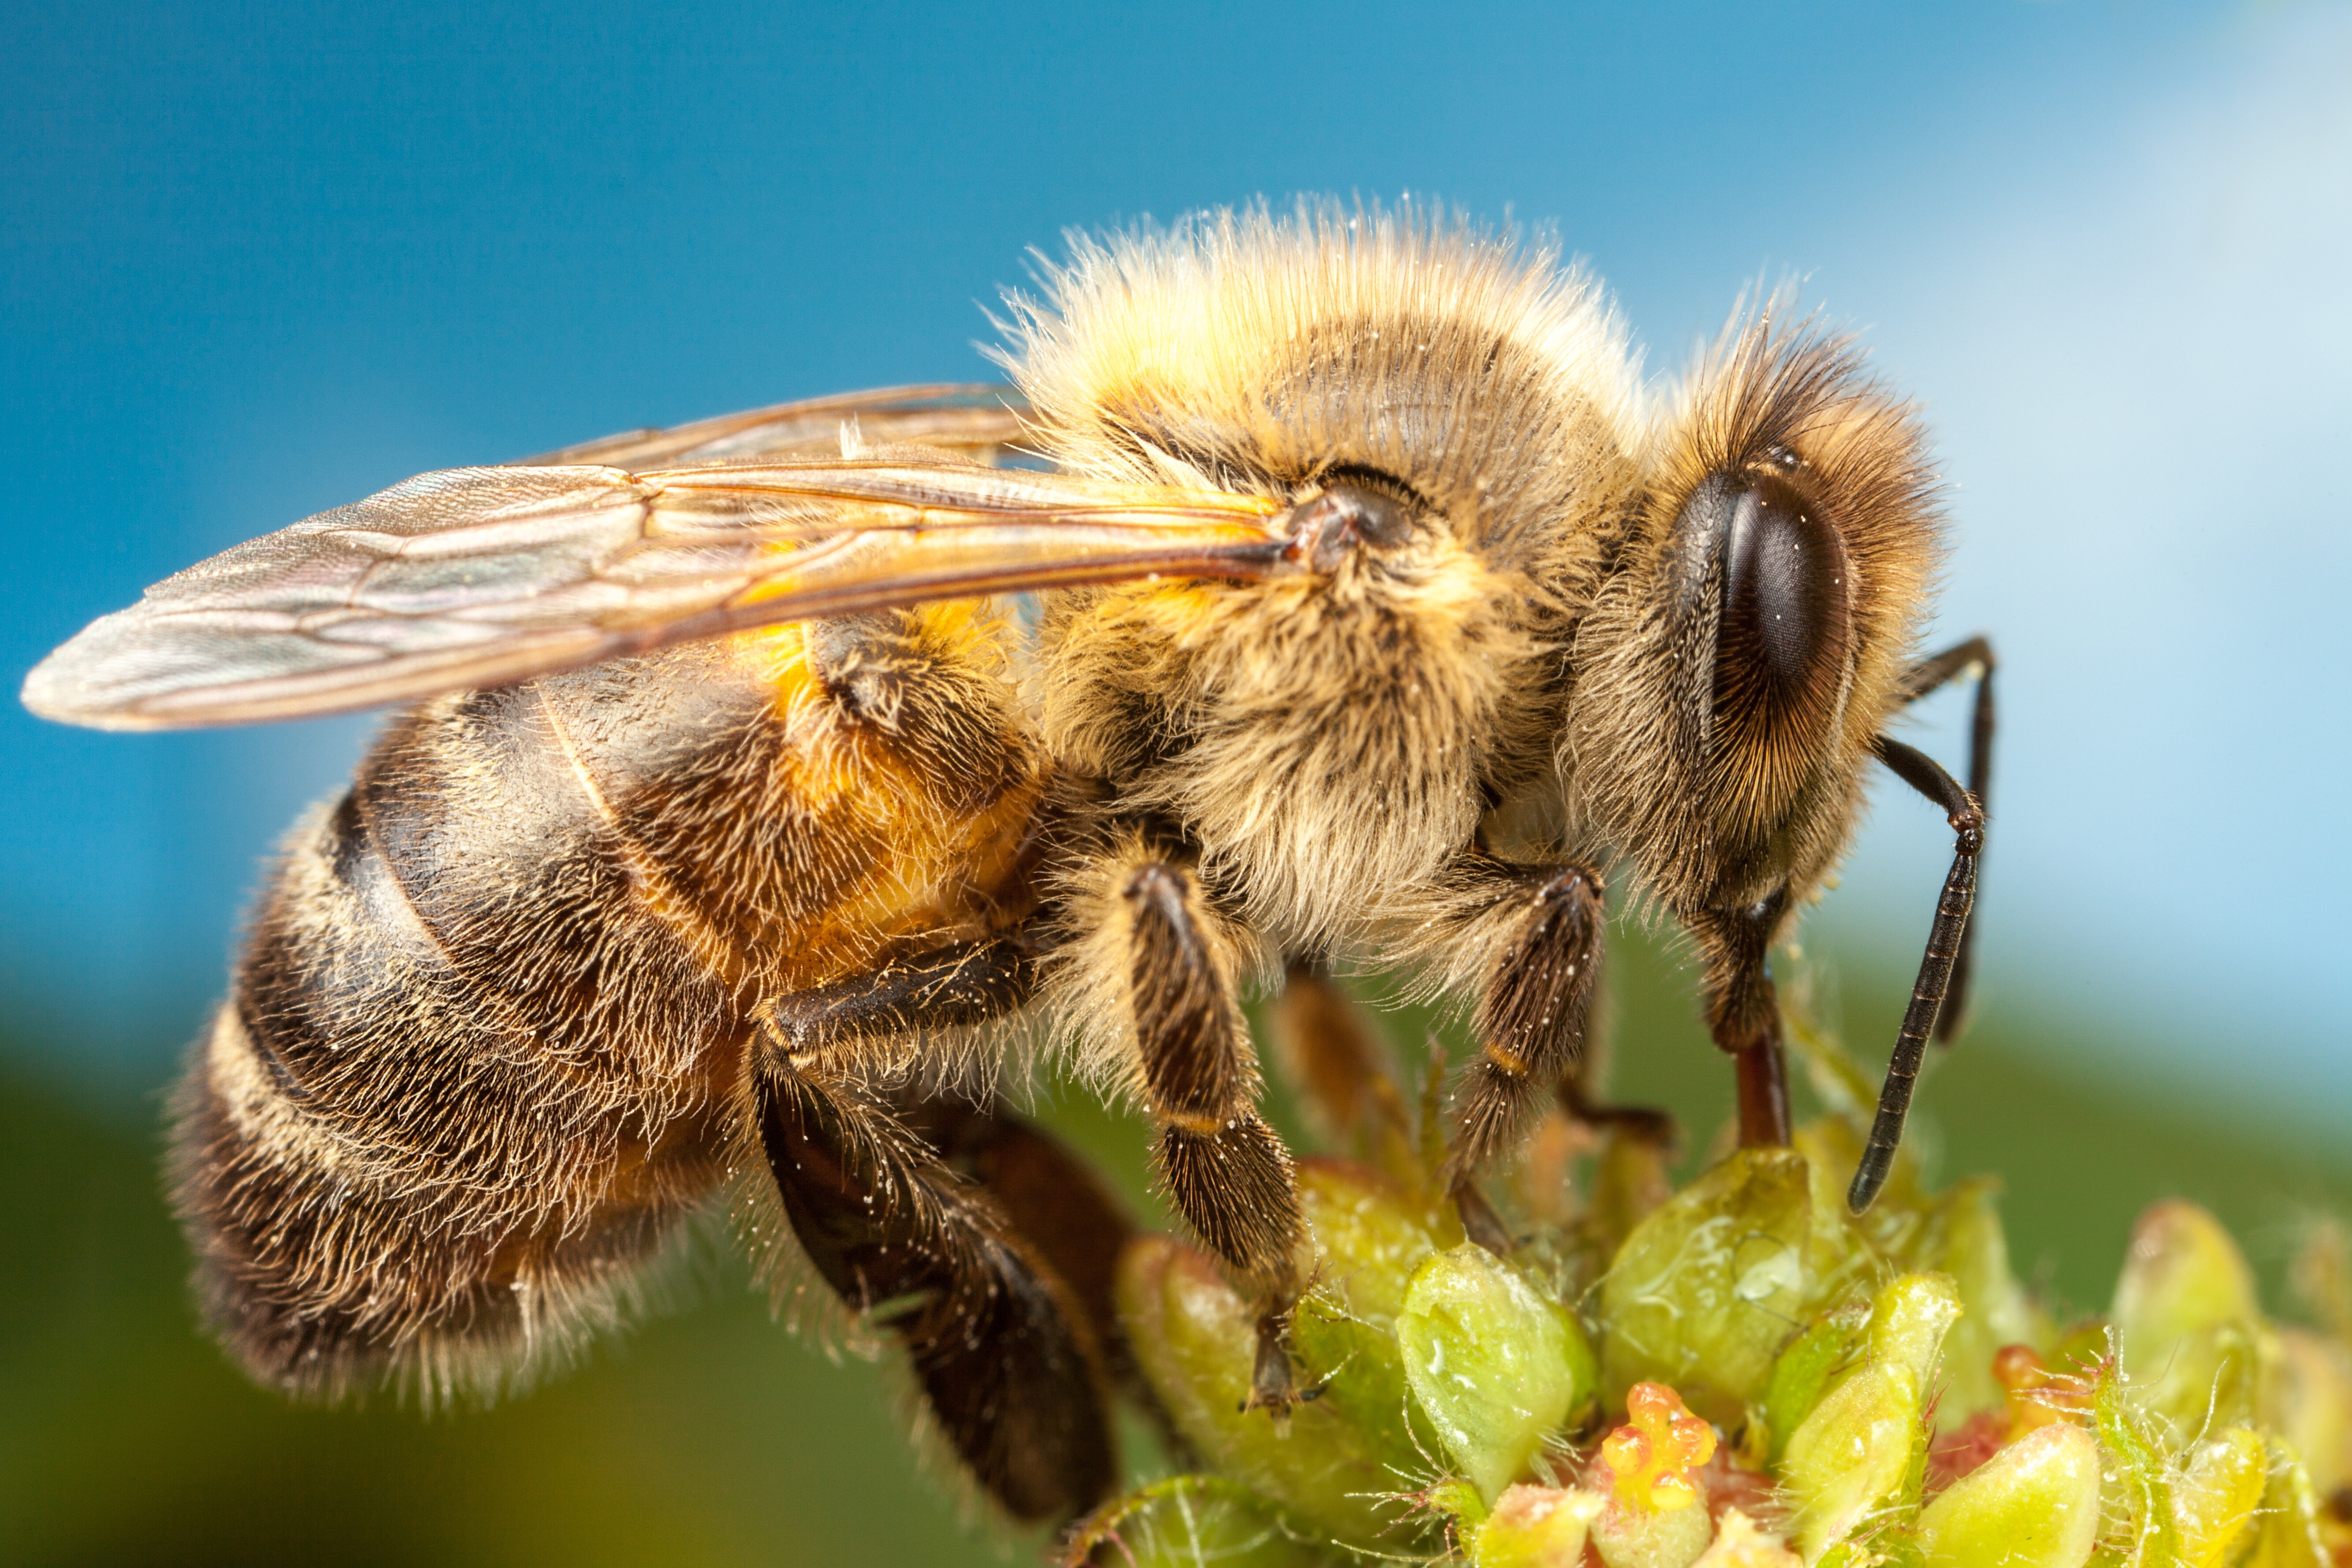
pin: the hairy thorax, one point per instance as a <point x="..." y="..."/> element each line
<point x="1309" y="738"/>
<point x="1324" y="739"/>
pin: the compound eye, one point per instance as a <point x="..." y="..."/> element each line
<point x="1787" y="621"/>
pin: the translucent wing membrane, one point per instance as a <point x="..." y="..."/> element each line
<point x="477" y="576"/>
<point x="980" y="423"/>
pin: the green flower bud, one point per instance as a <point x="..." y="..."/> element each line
<point x="1420" y="1354"/>
<point x="1955" y="1232"/>
<point x="2191" y="1333"/>
<point x="1672" y="1538"/>
<point x="1494" y="1361"/>
<point x="1804" y="1372"/>
<point x="2034" y="1504"/>
<point x="2287" y="1527"/>
<point x="1702" y="1294"/>
<point x="1964" y="1238"/>
<point x="1455" y="1498"/>
<point x="1193" y="1340"/>
<point x="1535" y="1527"/>
<point x="1849" y="1250"/>
<point x="1372" y="1236"/>
<point x="1343" y="1335"/>
<point x="2146" y="1482"/>
<point x="1907" y="1324"/>
<point x="2215" y="1500"/>
<point x="1189" y="1520"/>
<point x="1854" y="1453"/>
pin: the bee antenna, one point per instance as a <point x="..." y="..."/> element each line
<point x="1925" y="774"/>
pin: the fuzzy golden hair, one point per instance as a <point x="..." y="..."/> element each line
<point x="1326" y="735"/>
<point x="1258" y="354"/>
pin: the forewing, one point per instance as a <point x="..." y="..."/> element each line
<point x="477" y="576"/>
<point x="978" y="423"/>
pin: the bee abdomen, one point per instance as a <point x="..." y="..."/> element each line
<point x="483" y="1050"/>
<point x="324" y="1273"/>
<point x="415" y="1150"/>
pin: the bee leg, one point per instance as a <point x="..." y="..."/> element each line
<point x="1062" y="1212"/>
<point x="1645" y="1123"/>
<point x="1743" y="1014"/>
<point x="1051" y="1199"/>
<point x="1957" y="662"/>
<point x="1226" y="1171"/>
<point x="961" y="984"/>
<point x="1542" y="926"/>
<point x="999" y="1345"/>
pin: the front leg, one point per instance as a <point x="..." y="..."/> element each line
<point x="1743" y="1014"/>
<point x="1223" y="1167"/>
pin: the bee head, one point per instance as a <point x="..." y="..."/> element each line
<point x="1748" y="647"/>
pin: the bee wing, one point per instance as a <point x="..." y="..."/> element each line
<point x="478" y="576"/>
<point x="974" y="421"/>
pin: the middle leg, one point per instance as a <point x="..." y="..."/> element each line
<point x="1226" y="1170"/>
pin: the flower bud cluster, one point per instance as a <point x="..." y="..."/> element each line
<point x="1737" y="1374"/>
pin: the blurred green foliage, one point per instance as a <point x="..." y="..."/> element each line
<point x="710" y="1437"/>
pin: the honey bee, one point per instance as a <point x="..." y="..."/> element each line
<point x="741" y="813"/>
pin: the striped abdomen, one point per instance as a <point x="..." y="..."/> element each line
<point x="487" y="1043"/>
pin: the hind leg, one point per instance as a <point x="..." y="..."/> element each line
<point x="1000" y="1344"/>
<point x="1053" y="1203"/>
<point x="984" y="1246"/>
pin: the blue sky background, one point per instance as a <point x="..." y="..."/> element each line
<point x="256" y="261"/>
